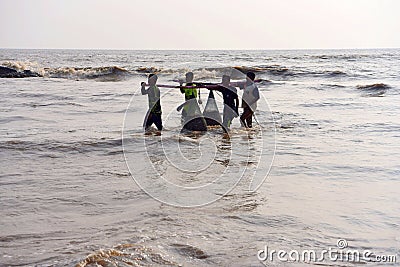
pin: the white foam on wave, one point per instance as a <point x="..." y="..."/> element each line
<point x="24" y="65"/>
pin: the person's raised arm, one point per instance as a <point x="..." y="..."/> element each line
<point x="143" y="89"/>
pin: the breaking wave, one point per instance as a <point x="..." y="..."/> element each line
<point x="117" y="73"/>
<point x="112" y="73"/>
<point x="21" y="66"/>
<point x="108" y="73"/>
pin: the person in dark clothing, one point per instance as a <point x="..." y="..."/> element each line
<point x="154" y="113"/>
<point x="231" y="101"/>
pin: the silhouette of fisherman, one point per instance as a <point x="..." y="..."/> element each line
<point x="154" y="112"/>
<point x="250" y="97"/>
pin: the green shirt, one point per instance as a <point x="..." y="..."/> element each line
<point x="189" y="92"/>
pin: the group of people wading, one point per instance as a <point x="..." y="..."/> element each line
<point x="192" y="117"/>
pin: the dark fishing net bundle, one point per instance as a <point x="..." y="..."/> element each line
<point x="192" y="117"/>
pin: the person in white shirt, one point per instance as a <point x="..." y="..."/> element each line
<point x="249" y="100"/>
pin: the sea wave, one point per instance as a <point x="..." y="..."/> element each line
<point x="278" y="70"/>
<point x="110" y="73"/>
<point x="106" y="73"/>
<point x="21" y="66"/>
<point x="323" y="57"/>
<point x="375" y="86"/>
<point x="126" y="255"/>
<point x="374" y="90"/>
<point x="118" y="73"/>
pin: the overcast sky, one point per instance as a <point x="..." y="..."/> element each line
<point x="205" y="24"/>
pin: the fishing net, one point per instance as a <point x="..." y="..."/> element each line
<point x="211" y="112"/>
<point x="192" y="117"/>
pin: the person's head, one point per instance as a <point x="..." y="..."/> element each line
<point x="189" y="77"/>
<point x="152" y="79"/>
<point x="226" y="80"/>
<point x="250" y="76"/>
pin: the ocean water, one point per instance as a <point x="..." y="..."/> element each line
<point x="326" y="138"/>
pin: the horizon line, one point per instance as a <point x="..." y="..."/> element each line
<point x="196" y="49"/>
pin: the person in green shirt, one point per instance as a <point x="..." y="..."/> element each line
<point x="192" y="117"/>
<point x="154" y="113"/>
<point x="189" y="92"/>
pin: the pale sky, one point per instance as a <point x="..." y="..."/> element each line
<point x="205" y="24"/>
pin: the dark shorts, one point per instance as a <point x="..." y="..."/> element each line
<point x="246" y="118"/>
<point x="153" y="118"/>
